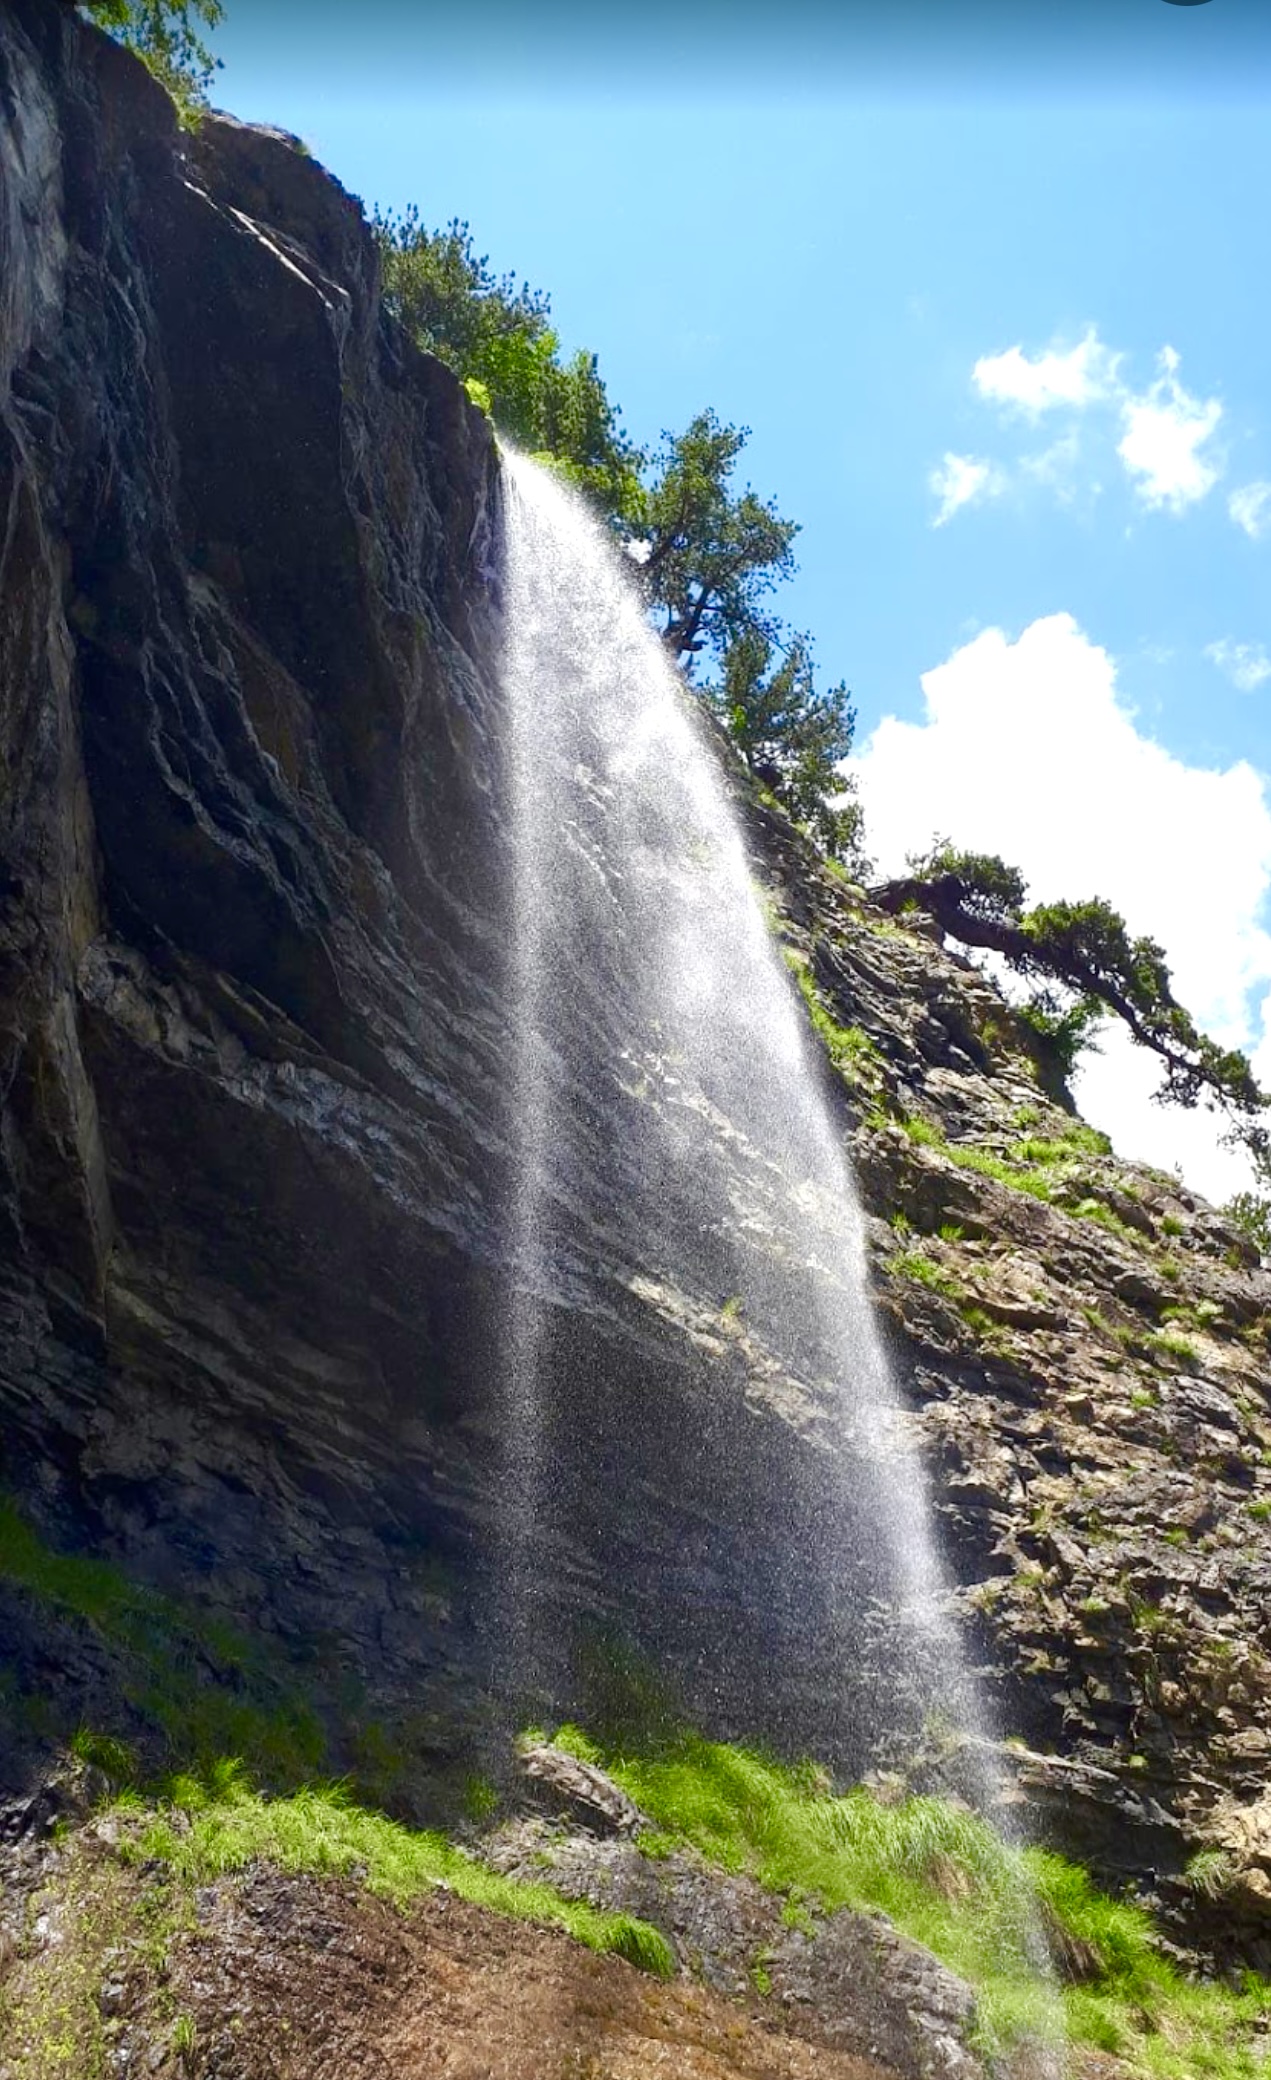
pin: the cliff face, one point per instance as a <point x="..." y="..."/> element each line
<point x="251" y="956"/>
<point x="256" y="1011"/>
<point x="254" y="1026"/>
<point x="1086" y="1345"/>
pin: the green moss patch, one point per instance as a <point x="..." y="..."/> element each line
<point x="199" y="1685"/>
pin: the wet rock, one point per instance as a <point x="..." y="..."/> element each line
<point x="849" y="1981"/>
<point x="66" y="1797"/>
<point x="580" y="1790"/>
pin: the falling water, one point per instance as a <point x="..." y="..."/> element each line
<point x="669" y="1105"/>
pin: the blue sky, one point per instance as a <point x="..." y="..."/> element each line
<point x="991" y="285"/>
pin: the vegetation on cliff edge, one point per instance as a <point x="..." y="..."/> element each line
<point x="1088" y="964"/>
<point x="706" y="555"/>
<point x="167" y="35"/>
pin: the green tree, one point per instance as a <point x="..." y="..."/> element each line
<point x="167" y="36"/>
<point x="1250" y="1212"/>
<point x="1086" y="952"/>
<point x="497" y="334"/>
<point x="791" y="736"/>
<point x="713" y="554"/>
<point x="708" y="554"/>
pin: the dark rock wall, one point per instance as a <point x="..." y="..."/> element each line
<point x="253" y="1001"/>
<point x="251" y="1022"/>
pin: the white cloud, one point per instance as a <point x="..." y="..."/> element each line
<point x="1246" y="664"/>
<point x="1165" y="432"/>
<point x="1036" y="384"/>
<point x="1165" y="429"/>
<point x="963" y="480"/>
<point x="1025" y="750"/>
<point x="1250" y="508"/>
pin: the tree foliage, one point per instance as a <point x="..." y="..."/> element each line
<point x="791" y="736"/>
<point x="1250" y="1213"/>
<point x="1086" y="952"/>
<point x="714" y="553"/>
<point x="497" y="332"/>
<point x="706" y="552"/>
<point x="168" y="36"/>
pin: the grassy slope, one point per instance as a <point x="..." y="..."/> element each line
<point x="951" y="1883"/>
<point x="228" y="1825"/>
<point x="942" y="1876"/>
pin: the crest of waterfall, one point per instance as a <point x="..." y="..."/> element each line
<point x="672" y="1119"/>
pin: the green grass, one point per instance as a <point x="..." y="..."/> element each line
<point x="1076" y="1140"/>
<point x="949" y="1881"/>
<point x="921" y="1130"/>
<point x="851" y="1051"/>
<point x="1167" y="1346"/>
<point x="203" y="1688"/>
<point x="983" y="1327"/>
<point x="1104" y="1217"/>
<point x="980" y="1160"/>
<point x="226" y="1825"/>
<point x="915" y="1264"/>
<point x="1041" y="1166"/>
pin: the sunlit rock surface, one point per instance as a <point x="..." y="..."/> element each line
<point x="1086" y="1344"/>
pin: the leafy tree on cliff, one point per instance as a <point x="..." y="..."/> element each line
<point x="711" y="555"/>
<point x="790" y="735"/>
<point x="167" y="35"/>
<point x="708" y="555"/>
<point x="1088" y="964"/>
<point x="496" y="333"/>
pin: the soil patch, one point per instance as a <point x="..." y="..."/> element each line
<point x="304" y="1979"/>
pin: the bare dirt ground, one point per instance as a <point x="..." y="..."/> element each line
<point x="300" y="1979"/>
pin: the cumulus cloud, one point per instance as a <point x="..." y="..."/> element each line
<point x="1165" y="430"/>
<point x="1250" y="508"/>
<point x="1246" y="664"/>
<point x="1026" y="750"/>
<point x="964" y="480"/>
<point x="1034" y="384"/>
<point x="1166" y="433"/>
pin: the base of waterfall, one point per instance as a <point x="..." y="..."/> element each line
<point x="304" y="1974"/>
<point x="207" y="1931"/>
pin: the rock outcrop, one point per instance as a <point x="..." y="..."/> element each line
<point x="1086" y="1344"/>
<point x="850" y="1982"/>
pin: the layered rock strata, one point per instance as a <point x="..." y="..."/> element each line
<point x="1085" y="1343"/>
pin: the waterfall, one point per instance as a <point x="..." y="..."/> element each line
<point x="672" y="1124"/>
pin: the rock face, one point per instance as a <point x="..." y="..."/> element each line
<point x="1086" y="1344"/>
<point x="249" y="757"/>
<point x="254" y="1001"/>
<point x="254" y="1152"/>
<point x="850" y="1981"/>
